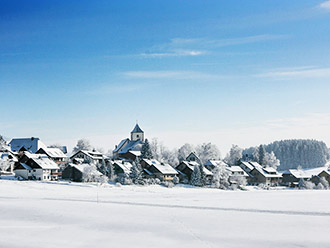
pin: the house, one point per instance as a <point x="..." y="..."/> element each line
<point x="292" y="177"/>
<point x="211" y="164"/>
<point x="324" y="173"/>
<point x="9" y="156"/>
<point x="37" y="167"/>
<point x="121" y="167"/>
<point x="192" y="157"/>
<point x="130" y="148"/>
<point x="55" y="154"/>
<point x="268" y="176"/>
<point x="247" y="166"/>
<point x="84" y="156"/>
<point x="31" y="145"/>
<point x="75" y="172"/>
<point x="162" y="171"/>
<point x="236" y="172"/>
<point x="186" y="168"/>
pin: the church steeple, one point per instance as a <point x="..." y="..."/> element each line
<point x="137" y="133"/>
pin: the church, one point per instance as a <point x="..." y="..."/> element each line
<point x="130" y="148"/>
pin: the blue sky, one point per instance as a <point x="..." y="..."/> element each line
<point x="228" y="72"/>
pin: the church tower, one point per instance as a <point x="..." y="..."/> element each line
<point x="137" y="133"/>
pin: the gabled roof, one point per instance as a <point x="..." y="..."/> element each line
<point x="234" y="169"/>
<point x="45" y="163"/>
<point x="30" y="144"/>
<point x="91" y="154"/>
<point x="215" y="163"/>
<point x="305" y="173"/>
<point x="53" y="152"/>
<point x="120" y="145"/>
<point x="264" y="172"/>
<point x="81" y="168"/>
<point x="132" y="145"/>
<point x="124" y="165"/>
<point x="161" y="167"/>
<point x="137" y="129"/>
<point x="191" y="165"/>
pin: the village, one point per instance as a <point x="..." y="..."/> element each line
<point x="132" y="162"/>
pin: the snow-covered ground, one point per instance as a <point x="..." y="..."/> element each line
<point x="41" y="214"/>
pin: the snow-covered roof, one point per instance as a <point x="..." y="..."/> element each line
<point x="215" y="163"/>
<point x="305" y="173"/>
<point x="237" y="169"/>
<point x="91" y="154"/>
<point x="248" y="165"/>
<point x="264" y="172"/>
<point x="132" y="145"/>
<point x="124" y="165"/>
<point x="9" y="156"/>
<point x="54" y="153"/>
<point x="137" y="129"/>
<point x="161" y="167"/>
<point x="45" y="163"/>
<point x="30" y="144"/>
<point x="120" y="145"/>
<point x="136" y="153"/>
<point x="81" y="168"/>
<point x="192" y="165"/>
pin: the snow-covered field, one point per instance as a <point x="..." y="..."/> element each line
<point x="41" y="214"/>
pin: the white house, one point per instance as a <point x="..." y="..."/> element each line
<point x="84" y="156"/>
<point x="37" y="168"/>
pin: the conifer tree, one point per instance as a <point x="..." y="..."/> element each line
<point x="146" y="150"/>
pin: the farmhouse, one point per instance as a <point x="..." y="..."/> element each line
<point x="38" y="167"/>
<point x="186" y="168"/>
<point x="121" y="167"/>
<point x="154" y="168"/>
<point x="268" y="176"/>
<point x="84" y="156"/>
<point x="55" y="154"/>
<point x="28" y="144"/>
<point x="75" y="172"/>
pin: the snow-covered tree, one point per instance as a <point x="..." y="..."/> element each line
<point x="234" y="156"/>
<point x="184" y="151"/>
<point x="207" y="151"/>
<point x="5" y="164"/>
<point x="291" y="153"/>
<point x="146" y="150"/>
<point x="91" y="174"/>
<point x="110" y="171"/>
<point x="303" y="184"/>
<point x="162" y="153"/>
<point x="82" y="144"/>
<point x="261" y="155"/>
<point x="196" y="177"/>
<point x="324" y="183"/>
<point x="220" y="177"/>
<point x="176" y="180"/>
<point x="2" y="141"/>
<point x="271" y="160"/>
<point x="136" y="171"/>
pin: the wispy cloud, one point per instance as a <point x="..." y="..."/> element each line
<point x="200" y="46"/>
<point x="170" y="75"/>
<point x="325" y="5"/>
<point x="298" y="72"/>
<point x="173" y="53"/>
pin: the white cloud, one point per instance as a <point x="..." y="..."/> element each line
<point x="168" y="74"/>
<point x="302" y="72"/>
<point x="174" y="53"/>
<point x="325" y="5"/>
<point x="201" y="46"/>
